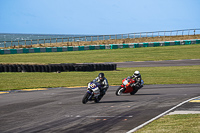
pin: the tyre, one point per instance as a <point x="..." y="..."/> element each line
<point x="98" y="67"/>
<point x="10" y="68"/>
<point x="1" y="68"/>
<point x="34" y="68"/>
<point x="31" y="68"/>
<point x="49" y="68"/>
<point x="119" y="91"/>
<point x="6" y="68"/>
<point x="19" y="69"/>
<point x="100" y="97"/>
<point x="134" y="91"/>
<point x="46" y="68"/>
<point x="42" y="68"/>
<point x="97" y="100"/>
<point x="85" y="98"/>
<point x="26" y="68"/>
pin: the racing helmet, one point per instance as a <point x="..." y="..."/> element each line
<point x="101" y="76"/>
<point x="137" y="73"/>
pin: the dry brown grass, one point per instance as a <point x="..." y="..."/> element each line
<point x="112" y="41"/>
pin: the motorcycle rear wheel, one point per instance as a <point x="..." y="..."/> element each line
<point x="96" y="100"/>
<point x="134" y="91"/>
<point x="119" y="91"/>
<point x="85" y="98"/>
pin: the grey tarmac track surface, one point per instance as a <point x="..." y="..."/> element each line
<point x="186" y="62"/>
<point x="60" y="110"/>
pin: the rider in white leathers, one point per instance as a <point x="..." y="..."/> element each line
<point x="104" y="83"/>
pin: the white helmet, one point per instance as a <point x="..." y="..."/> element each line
<point x="137" y="73"/>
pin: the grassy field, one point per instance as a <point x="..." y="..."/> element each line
<point x="114" y="55"/>
<point x="189" y="123"/>
<point x="151" y="75"/>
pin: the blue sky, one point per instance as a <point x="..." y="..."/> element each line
<point x="97" y="16"/>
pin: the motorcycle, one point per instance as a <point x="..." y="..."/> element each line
<point x="93" y="93"/>
<point x="126" y="88"/>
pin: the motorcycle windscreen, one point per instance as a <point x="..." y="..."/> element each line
<point x="125" y="82"/>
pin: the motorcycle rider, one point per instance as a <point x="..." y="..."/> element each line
<point x="104" y="83"/>
<point x="137" y="77"/>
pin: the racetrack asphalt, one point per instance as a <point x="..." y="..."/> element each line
<point x="60" y="110"/>
<point x="186" y="62"/>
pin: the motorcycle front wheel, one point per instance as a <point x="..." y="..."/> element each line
<point x="85" y="98"/>
<point x="119" y="91"/>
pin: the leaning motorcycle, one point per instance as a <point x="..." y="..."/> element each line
<point x="126" y="88"/>
<point x="93" y="93"/>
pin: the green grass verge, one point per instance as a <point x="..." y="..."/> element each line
<point x="114" y="55"/>
<point x="189" y="123"/>
<point x="150" y="75"/>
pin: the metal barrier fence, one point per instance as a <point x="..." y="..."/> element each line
<point x="100" y="37"/>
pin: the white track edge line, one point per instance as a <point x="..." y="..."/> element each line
<point x="140" y="126"/>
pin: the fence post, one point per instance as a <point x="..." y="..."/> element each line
<point x="44" y="41"/>
<point x="50" y="41"/>
<point x="56" y="40"/>
<point x="37" y="41"/>
<point x="4" y="44"/>
<point x="194" y="31"/>
<point x="18" y="42"/>
<point x="62" y="40"/>
<point x="25" y="42"/>
<point x="11" y="43"/>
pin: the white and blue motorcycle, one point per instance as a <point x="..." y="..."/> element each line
<point x="93" y="93"/>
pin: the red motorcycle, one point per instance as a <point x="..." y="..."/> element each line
<point x="126" y="88"/>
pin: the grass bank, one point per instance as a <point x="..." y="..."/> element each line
<point x="114" y="55"/>
<point x="189" y="123"/>
<point x="150" y="75"/>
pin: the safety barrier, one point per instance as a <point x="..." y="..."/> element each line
<point x="65" y="67"/>
<point x="97" y="47"/>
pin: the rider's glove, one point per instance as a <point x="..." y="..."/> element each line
<point x="132" y="85"/>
